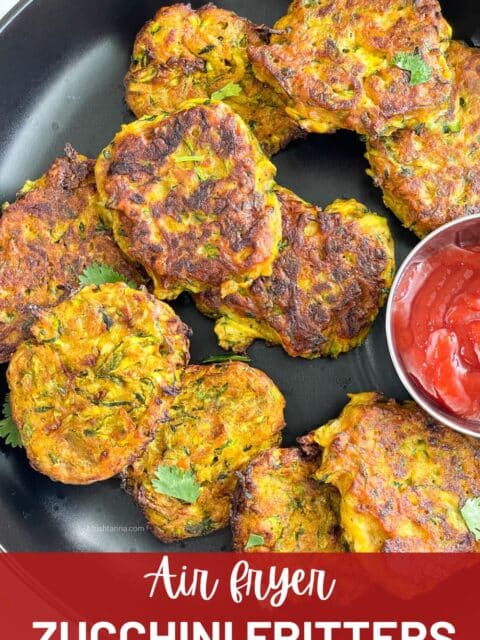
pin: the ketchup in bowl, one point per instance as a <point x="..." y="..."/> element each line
<point x="435" y="322"/>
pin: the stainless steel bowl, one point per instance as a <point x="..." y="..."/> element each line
<point x="463" y="231"/>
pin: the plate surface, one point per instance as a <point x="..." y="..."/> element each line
<point x="62" y="65"/>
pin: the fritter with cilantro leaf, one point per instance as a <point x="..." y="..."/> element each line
<point x="192" y="199"/>
<point x="184" y="54"/>
<point x="93" y="384"/>
<point x="404" y="480"/>
<point x="47" y="237"/>
<point x="366" y="65"/>
<point x="225" y="415"/>
<point x="431" y="174"/>
<point x="278" y="506"/>
<point x="327" y="285"/>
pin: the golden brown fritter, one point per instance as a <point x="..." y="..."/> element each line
<point x="278" y="506"/>
<point x="344" y="63"/>
<point x="90" y="388"/>
<point x="192" y="200"/>
<point x="184" y="54"/>
<point x="224" y="416"/>
<point x="431" y="174"/>
<point x="402" y="477"/>
<point x="47" y="237"/>
<point x="327" y="285"/>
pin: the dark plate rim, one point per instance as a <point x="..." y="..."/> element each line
<point x="13" y="13"/>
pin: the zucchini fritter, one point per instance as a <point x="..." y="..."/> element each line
<point x="47" y="237"/>
<point x="224" y="416"/>
<point x="91" y="387"/>
<point x="402" y="477"/>
<point x="183" y="54"/>
<point x="431" y="174"/>
<point x="327" y="285"/>
<point x="338" y="63"/>
<point x="192" y="200"/>
<point x="287" y="510"/>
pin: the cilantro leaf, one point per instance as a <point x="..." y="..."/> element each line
<point x="471" y="514"/>
<point x="254" y="540"/>
<point x="228" y="91"/>
<point x="97" y="273"/>
<point x="226" y="358"/>
<point x="8" y="429"/>
<point x="414" y="63"/>
<point x="173" y="482"/>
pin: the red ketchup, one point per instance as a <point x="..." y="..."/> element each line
<point x="436" y="327"/>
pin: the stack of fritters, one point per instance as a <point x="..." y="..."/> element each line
<point x="383" y="477"/>
<point x="48" y="236"/>
<point x="184" y="54"/>
<point x="193" y="200"/>
<point x="330" y="279"/>
<point x="388" y="70"/>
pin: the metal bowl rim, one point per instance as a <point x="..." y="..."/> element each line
<point x="458" y="424"/>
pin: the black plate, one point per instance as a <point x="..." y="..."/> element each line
<point x="62" y="66"/>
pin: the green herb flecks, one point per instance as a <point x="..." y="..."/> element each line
<point x="8" y="429"/>
<point x="101" y="274"/>
<point x="254" y="540"/>
<point x="101" y="227"/>
<point x="226" y="358"/>
<point x="416" y="66"/>
<point x="210" y="251"/>
<point x="453" y="127"/>
<point x="206" y="49"/>
<point x="471" y="514"/>
<point x="201" y="176"/>
<point x="173" y="482"/>
<point x="228" y="91"/>
<point x="189" y="159"/>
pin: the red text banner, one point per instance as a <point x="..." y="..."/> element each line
<point x="239" y="597"/>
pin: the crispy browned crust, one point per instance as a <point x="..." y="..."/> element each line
<point x="185" y="54"/>
<point x="431" y="175"/>
<point x="211" y="221"/>
<point x="327" y="285"/>
<point x="223" y="417"/>
<point x="47" y="237"/>
<point x="333" y="60"/>
<point x="277" y="499"/>
<point x="402" y="477"/>
<point x="90" y="388"/>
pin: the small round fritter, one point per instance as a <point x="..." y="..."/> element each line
<point x="91" y="387"/>
<point x="327" y="285"/>
<point x="185" y="54"/>
<point x="402" y="477"/>
<point x="47" y="238"/>
<point x="279" y="507"/>
<point x="225" y="415"/>
<point x="431" y="174"/>
<point x="192" y="200"/>
<point x="366" y="65"/>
